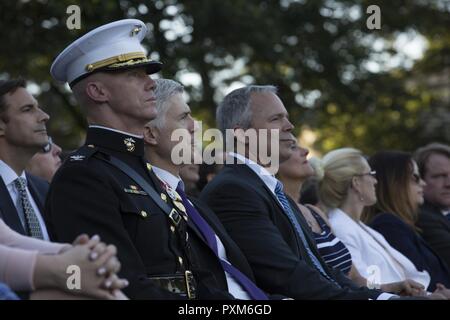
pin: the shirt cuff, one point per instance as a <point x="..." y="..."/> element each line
<point x="386" y="296"/>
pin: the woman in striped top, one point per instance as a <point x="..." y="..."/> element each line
<point x="292" y="174"/>
<point x="332" y="250"/>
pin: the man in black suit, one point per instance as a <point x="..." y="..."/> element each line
<point x="107" y="187"/>
<point x="260" y="218"/>
<point x="209" y="240"/>
<point x="433" y="161"/>
<point x="22" y="134"/>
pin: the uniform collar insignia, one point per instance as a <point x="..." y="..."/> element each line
<point x="117" y="141"/>
<point x="77" y="157"/>
<point x="130" y="144"/>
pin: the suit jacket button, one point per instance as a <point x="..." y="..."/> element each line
<point x="172" y="228"/>
<point x="180" y="260"/>
<point x="144" y="214"/>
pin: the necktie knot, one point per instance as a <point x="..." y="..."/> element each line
<point x="279" y="187"/>
<point x="20" y="183"/>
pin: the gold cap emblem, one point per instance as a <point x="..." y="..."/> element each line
<point x="136" y="30"/>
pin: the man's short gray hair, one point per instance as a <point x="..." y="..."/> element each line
<point x="164" y="90"/>
<point x="235" y="109"/>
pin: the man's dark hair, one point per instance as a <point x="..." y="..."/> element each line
<point x="423" y="154"/>
<point x="9" y="86"/>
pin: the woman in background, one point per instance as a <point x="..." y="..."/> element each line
<point x="346" y="188"/>
<point x="293" y="173"/>
<point x="399" y="194"/>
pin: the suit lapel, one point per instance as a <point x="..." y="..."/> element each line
<point x="434" y="211"/>
<point x="38" y="195"/>
<point x="233" y="252"/>
<point x="8" y="211"/>
<point x="246" y="171"/>
<point x="229" y="245"/>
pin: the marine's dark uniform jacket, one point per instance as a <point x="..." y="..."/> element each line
<point x="88" y="195"/>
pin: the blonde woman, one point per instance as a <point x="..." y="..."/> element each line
<point x="346" y="187"/>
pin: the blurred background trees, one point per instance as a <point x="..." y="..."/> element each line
<point x="343" y="84"/>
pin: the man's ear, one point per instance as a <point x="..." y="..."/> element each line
<point x="151" y="135"/>
<point x="97" y="91"/>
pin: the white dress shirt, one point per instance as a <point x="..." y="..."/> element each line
<point x="234" y="288"/>
<point x="9" y="176"/>
<point x="271" y="183"/>
<point x="268" y="178"/>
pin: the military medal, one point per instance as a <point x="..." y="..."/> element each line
<point x="134" y="190"/>
<point x="179" y="205"/>
<point x="176" y="198"/>
<point x="173" y="194"/>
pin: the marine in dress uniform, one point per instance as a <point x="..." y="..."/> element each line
<point x="108" y="188"/>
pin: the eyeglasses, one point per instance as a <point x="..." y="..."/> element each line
<point x="48" y="147"/>
<point x="372" y="173"/>
<point x="416" y="178"/>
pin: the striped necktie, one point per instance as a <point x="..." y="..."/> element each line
<point x="31" y="220"/>
<point x="290" y="214"/>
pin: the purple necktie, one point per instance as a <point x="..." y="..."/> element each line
<point x="253" y="291"/>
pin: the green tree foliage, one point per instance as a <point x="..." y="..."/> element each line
<point x="316" y="52"/>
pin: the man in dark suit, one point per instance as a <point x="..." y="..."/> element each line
<point x="218" y="252"/>
<point x="22" y="134"/>
<point x="433" y="161"/>
<point x="107" y="187"/>
<point x="260" y="218"/>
